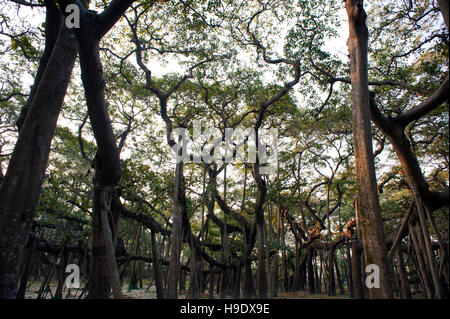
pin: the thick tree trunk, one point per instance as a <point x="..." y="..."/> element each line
<point x="99" y="284"/>
<point x="444" y="6"/>
<point x="321" y="274"/>
<point x="27" y="269"/>
<point x="107" y="167"/>
<point x="249" y="287"/>
<point x="260" y="229"/>
<point x="262" y="275"/>
<point x="316" y="273"/>
<point x="369" y="211"/>
<point x="52" y="26"/>
<point x="113" y="270"/>
<point x="21" y="187"/>
<point x="225" y="246"/>
<point x="107" y="162"/>
<point x="331" y="277"/>
<point x="195" y="268"/>
<point x="302" y="276"/>
<point x="356" y="269"/>
<point x="237" y="282"/>
<point x="156" y="268"/>
<point x="175" y="243"/>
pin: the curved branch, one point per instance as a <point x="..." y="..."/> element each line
<point x="437" y="98"/>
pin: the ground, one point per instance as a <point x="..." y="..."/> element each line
<point x="150" y="293"/>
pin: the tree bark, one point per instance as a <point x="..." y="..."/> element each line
<point x="426" y="240"/>
<point x="444" y="7"/>
<point x="405" y="290"/>
<point x="21" y="187"/>
<point x="225" y="246"/>
<point x="311" y="283"/>
<point x="133" y="276"/>
<point x="249" y="287"/>
<point x="421" y="261"/>
<point x="331" y="276"/>
<point x="356" y="269"/>
<point x="109" y="244"/>
<point x="369" y="211"/>
<point x="62" y="273"/>
<point x="175" y="243"/>
<point x="349" y="271"/>
<point x="296" y="280"/>
<point x="237" y="282"/>
<point x="260" y="229"/>
<point x="27" y="269"/>
<point x="339" y="278"/>
<point x="106" y="164"/>
<point x="156" y="268"/>
<point x="52" y="26"/>
<point x="195" y="268"/>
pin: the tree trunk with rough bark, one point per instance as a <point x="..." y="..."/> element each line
<point x="106" y="164"/>
<point x="369" y="211"/>
<point x="444" y="7"/>
<point x="113" y="270"/>
<point x="21" y="186"/>
<point x="311" y="283"/>
<point x="331" y="275"/>
<point x="156" y="268"/>
<point x="356" y="269"/>
<point x="249" y="287"/>
<point x="107" y="161"/>
<point x="176" y="240"/>
<point x="260" y="230"/>
<point x="28" y="265"/>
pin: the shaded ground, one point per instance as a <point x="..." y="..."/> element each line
<point x="150" y="293"/>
